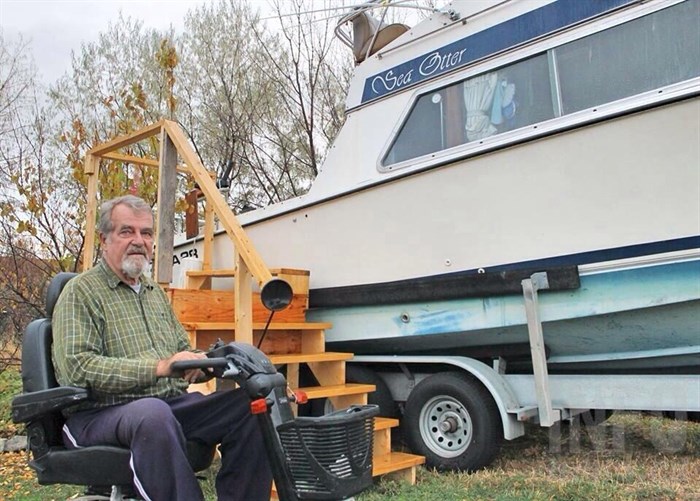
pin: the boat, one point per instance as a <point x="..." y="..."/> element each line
<point x="493" y="141"/>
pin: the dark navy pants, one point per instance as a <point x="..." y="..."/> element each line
<point x="156" y="431"/>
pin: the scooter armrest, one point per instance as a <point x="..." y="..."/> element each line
<point x="30" y="406"/>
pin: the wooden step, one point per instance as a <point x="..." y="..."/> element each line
<point x="282" y="337"/>
<point x="301" y="358"/>
<point x="201" y="279"/>
<point x="337" y="390"/>
<point x="231" y="272"/>
<point x="206" y="305"/>
<point x="400" y="463"/>
<point x="230" y="326"/>
<point x="382" y="435"/>
<point x="397" y="464"/>
<point x="383" y="423"/>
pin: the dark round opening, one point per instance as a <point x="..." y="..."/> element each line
<point x="276" y="294"/>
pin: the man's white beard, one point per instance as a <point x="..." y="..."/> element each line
<point x="133" y="265"/>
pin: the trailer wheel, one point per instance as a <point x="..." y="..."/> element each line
<point x="381" y="396"/>
<point x="595" y="417"/>
<point x="453" y="421"/>
<point x="690" y="416"/>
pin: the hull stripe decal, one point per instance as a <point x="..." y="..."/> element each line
<point x="495" y="280"/>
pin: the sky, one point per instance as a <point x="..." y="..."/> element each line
<point x="54" y="28"/>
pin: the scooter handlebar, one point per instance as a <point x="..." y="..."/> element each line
<point x="200" y="363"/>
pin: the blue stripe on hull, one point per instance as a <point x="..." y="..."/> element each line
<point x="635" y="310"/>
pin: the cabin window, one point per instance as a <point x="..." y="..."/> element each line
<point x="476" y="108"/>
<point x="645" y="54"/>
<point x="650" y="52"/>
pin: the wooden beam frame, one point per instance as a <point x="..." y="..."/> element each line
<point x="126" y="140"/>
<point x="167" y="188"/>
<point x="92" y="170"/>
<point x="173" y="141"/>
<point x="149" y="162"/>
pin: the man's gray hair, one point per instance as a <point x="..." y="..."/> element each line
<point x="104" y="225"/>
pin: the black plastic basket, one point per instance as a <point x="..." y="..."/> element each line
<point x="330" y="457"/>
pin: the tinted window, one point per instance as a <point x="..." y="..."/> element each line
<point x="474" y="109"/>
<point x="642" y="55"/>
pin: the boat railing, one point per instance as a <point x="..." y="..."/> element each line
<point x="369" y="34"/>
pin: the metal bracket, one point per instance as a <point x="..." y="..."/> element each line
<point x="452" y="14"/>
<point x="499" y="365"/>
<point x="409" y="376"/>
<point x="538" y="281"/>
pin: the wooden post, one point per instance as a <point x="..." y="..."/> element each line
<point x="167" y="187"/>
<point x="243" y="299"/>
<point x="204" y="282"/>
<point x="293" y="382"/>
<point x="208" y="244"/>
<point x="192" y="214"/>
<point x="92" y="171"/>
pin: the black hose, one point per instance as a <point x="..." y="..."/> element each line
<point x="262" y="337"/>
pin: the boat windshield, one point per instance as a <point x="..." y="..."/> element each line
<point x="368" y="34"/>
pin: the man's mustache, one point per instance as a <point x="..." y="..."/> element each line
<point x="135" y="249"/>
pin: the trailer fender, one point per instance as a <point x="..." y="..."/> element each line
<point x="496" y="385"/>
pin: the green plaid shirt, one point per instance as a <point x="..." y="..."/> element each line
<point x="108" y="338"/>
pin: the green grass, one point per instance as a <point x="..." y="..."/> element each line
<point x="632" y="457"/>
<point x="505" y="485"/>
<point x="10" y="385"/>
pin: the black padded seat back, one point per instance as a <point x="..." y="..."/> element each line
<point x="37" y="365"/>
<point x="55" y="288"/>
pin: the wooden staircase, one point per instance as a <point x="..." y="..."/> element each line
<point x="208" y="315"/>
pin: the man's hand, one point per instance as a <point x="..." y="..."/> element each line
<point x="164" y="368"/>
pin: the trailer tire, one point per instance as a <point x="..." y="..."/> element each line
<point x="453" y="421"/>
<point x="595" y="417"/>
<point x="690" y="416"/>
<point x="381" y="396"/>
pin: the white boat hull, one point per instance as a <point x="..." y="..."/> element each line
<point x="629" y="181"/>
<point x="617" y="195"/>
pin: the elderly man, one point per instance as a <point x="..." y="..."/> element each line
<point x="116" y="334"/>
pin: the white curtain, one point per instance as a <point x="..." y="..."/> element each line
<point x="478" y="97"/>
